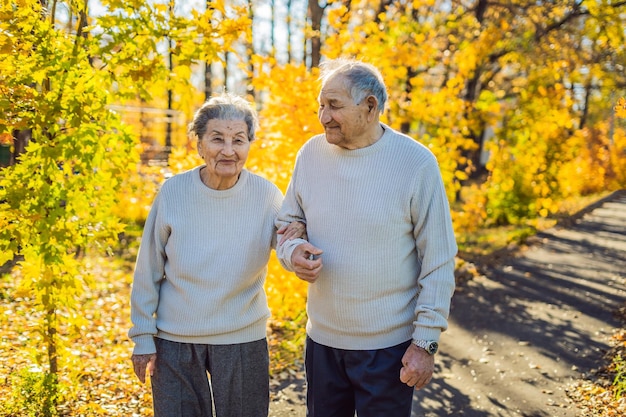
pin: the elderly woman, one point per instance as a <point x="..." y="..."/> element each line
<point x="198" y="304"/>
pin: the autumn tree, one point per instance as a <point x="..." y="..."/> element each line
<point x="58" y="198"/>
<point x="470" y="78"/>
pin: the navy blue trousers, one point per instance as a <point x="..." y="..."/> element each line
<point x="341" y="382"/>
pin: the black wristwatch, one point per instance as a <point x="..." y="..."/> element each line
<point x="429" y="346"/>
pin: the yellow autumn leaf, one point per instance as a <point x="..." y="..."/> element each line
<point x="620" y="109"/>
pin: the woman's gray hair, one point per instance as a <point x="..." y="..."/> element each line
<point x="362" y="79"/>
<point x="224" y="106"/>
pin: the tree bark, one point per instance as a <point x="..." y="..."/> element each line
<point x="316" y="14"/>
<point x="251" y="52"/>
<point x="208" y="71"/>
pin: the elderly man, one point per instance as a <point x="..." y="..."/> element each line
<point x="379" y="256"/>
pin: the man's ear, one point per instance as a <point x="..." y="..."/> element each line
<point x="372" y="103"/>
<point x="372" y="108"/>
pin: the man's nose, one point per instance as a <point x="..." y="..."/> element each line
<point x="324" y="116"/>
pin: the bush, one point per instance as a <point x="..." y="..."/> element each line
<point x="35" y="394"/>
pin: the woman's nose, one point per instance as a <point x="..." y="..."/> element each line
<point x="228" y="148"/>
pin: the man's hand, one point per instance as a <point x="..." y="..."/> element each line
<point x="143" y="363"/>
<point x="306" y="262"/>
<point x="291" y="231"/>
<point x="417" y="367"/>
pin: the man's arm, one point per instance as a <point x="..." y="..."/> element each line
<point x="436" y="248"/>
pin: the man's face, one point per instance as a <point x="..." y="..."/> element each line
<point x="344" y="122"/>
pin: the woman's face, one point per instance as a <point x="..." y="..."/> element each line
<point x="224" y="148"/>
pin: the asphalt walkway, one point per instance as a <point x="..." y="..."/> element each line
<point x="532" y="324"/>
<point x="535" y="322"/>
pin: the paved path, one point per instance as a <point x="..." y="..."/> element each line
<point x="522" y="333"/>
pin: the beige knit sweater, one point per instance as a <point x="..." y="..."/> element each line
<point x="381" y="216"/>
<point x="202" y="263"/>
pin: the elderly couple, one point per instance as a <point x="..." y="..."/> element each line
<point x="365" y="221"/>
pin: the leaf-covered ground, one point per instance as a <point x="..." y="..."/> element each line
<point x="98" y="357"/>
<point x="97" y="362"/>
<point x="597" y="395"/>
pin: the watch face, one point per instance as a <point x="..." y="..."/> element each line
<point x="432" y="348"/>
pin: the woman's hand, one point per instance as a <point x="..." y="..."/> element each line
<point x="143" y="363"/>
<point x="292" y="231"/>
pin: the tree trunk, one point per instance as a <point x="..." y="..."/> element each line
<point x="51" y="339"/>
<point x="316" y="14"/>
<point x="250" y="49"/>
<point x="585" y="113"/>
<point x="289" y="34"/>
<point x="22" y="137"/>
<point x="273" y="29"/>
<point x="208" y="73"/>
<point x="208" y="81"/>
<point x="226" y="56"/>
<point x="472" y="91"/>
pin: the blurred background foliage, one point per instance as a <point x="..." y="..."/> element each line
<point x="520" y="101"/>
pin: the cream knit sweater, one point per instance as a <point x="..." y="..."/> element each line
<point x="202" y="263"/>
<point x="381" y="216"/>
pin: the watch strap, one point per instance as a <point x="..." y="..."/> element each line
<point x="429" y="346"/>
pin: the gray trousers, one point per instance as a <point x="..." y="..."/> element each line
<point x="190" y="379"/>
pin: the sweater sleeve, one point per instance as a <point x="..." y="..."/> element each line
<point x="290" y="211"/>
<point x="436" y="247"/>
<point x="276" y="205"/>
<point x="149" y="273"/>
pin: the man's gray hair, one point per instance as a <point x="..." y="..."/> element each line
<point x="224" y="106"/>
<point x="363" y="79"/>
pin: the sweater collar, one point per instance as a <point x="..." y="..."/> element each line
<point x="373" y="148"/>
<point x="243" y="179"/>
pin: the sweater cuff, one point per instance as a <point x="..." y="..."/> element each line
<point x="285" y="251"/>
<point x="422" y="333"/>
<point x="144" y="345"/>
